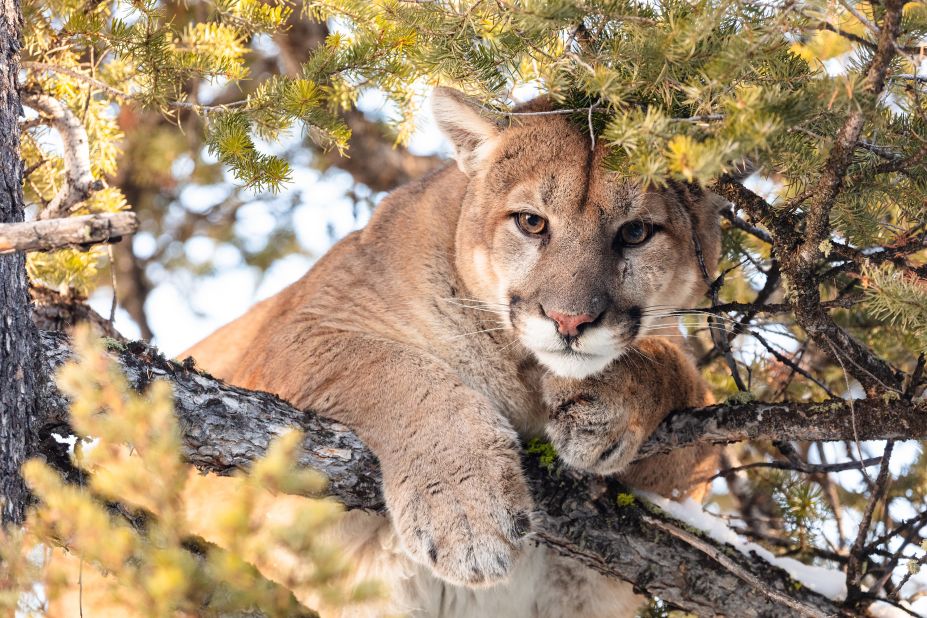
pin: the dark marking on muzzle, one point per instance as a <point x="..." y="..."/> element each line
<point x="635" y="314"/>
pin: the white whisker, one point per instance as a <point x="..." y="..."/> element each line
<point x="476" y="332"/>
<point x="475" y="301"/>
<point x="508" y="345"/>
<point x="487" y="309"/>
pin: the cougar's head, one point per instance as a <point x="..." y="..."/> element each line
<point x="578" y="262"/>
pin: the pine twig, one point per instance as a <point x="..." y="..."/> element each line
<point x="742" y="225"/>
<point x="75" y="74"/>
<point x="858" y="550"/>
<point x="807" y="468"/>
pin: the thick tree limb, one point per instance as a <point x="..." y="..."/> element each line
<point x="79" y="232"/>
<point x="225" y="428"/>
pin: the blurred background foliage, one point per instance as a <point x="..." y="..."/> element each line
<point x="218" y="121"/>
<point x="129" y="538"/>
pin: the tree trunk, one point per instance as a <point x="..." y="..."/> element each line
<point x="18" y="339"/>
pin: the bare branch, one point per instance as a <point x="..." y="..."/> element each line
<point x="846" y="34"/>
<point x="78" y="181"/>
<point x="74" y="73"/>
<point x="798" y="259"/>
<point x="755" y="206"/>
<point x="804" y="467"/>
<point x="374" y="161"/>
<point x="742" y="225"/>
<point x="825" y="421"/>
<point x="857" y="551"/>
<point x="862" y="18"/>
<point x="78" y="232"/>
<point x="125" y="97"/>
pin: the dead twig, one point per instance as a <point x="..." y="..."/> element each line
<point x="77" y="232"/>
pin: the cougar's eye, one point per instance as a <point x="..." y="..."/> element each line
<point x="530" y="223"/>
<point x="635" y="233"/>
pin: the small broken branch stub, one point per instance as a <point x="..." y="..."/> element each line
<point x="78" y="232"/>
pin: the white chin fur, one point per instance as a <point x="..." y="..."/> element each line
<point x="594" y="350"/>
<point x="573" y="365"/>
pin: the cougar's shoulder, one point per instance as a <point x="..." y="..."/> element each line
<point x="380" y="279"/>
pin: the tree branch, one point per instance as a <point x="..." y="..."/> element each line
<point x="225" y="428"/>
<point x="799" y="259"/>
<point x="74" y="73"/>
<point x="793" y="250"/>
<point x="373" y="158"/>
<point x="78" y="232"/>
<point x="78" y="181"/>
<point x="826" y="421"/>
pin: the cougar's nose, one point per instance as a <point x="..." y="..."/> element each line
<point x="570" y="325"/>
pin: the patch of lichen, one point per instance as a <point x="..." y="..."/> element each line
<point x="545" y="451"/>
<point x="828" y="407"/>
<point x="741" y="397"/>
<point x="624" y="499"/>
<point x="113" y="345"/>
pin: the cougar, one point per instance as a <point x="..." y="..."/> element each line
<point x="518" y="293"/>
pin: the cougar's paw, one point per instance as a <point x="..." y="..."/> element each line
<point x="596" y="424"/>
<point x="592" y="435"/>
<point x="464" y="514"/>
<point x="599" y="423"/>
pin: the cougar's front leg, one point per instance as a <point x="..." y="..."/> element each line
<point x="599" y="423"/>
<point x="452" y="474"/>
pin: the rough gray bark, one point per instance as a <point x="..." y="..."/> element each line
<point x="17" y="334"/>
<point x="59" y="312"/>
<point x="225" y="428"/>
<point x="78" y="232"/>
<point x="835" y="420"/>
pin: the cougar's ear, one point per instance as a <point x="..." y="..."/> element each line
<point x="470" y="128"/>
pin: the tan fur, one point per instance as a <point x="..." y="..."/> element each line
<point x="423" y="333"/>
